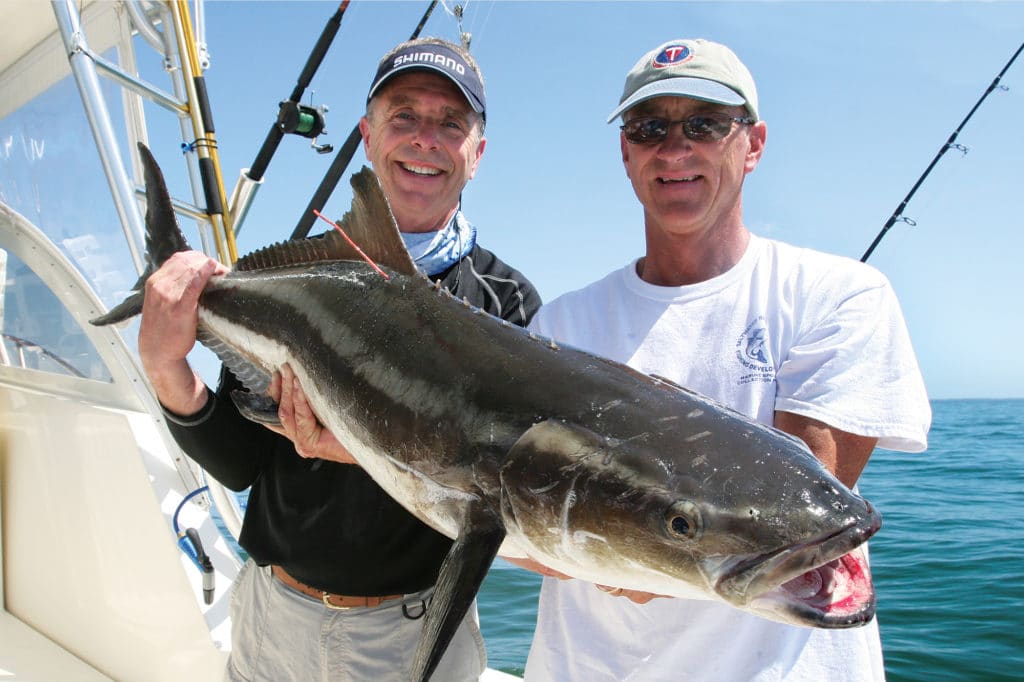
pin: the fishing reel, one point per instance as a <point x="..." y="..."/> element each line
<point x="305" y="121"/>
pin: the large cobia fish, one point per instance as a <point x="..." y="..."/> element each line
<point x="509" y="443"/>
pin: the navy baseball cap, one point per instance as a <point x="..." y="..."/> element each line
<point x="440" y="58"/>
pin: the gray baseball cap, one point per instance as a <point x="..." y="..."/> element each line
<point x="696" y="68"/>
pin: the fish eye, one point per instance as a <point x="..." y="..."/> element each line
<point x="683" y="521"/>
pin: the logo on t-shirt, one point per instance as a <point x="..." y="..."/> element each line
<point x="752" y="351"/>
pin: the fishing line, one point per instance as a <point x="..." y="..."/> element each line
<point x="457" y="11"/>
<point x="950" y="143"/>
<point x="480" y="26"/>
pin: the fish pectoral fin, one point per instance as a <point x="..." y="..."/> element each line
<point x="538" y="458"/>
<point x="461" y="575"/>
<point x="255" y="407"/>
<point x="540" y="470"/>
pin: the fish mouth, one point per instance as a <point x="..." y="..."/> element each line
<point x="823" y="582"/>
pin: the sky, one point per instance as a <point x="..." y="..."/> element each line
<point x="858" y="99"/>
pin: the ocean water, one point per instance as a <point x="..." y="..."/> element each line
<point x="948" y="563"/>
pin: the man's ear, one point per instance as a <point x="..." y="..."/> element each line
<point x="624" y="147"/>
<point x="364" y="130"/>
<point x="758" y="137"/>
<point x="479" y="153"/>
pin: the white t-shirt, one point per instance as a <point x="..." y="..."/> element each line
<point x="785" y="329"/>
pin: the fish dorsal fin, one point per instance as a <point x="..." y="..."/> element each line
<point x="295" y="252"/>
<point x="369" y="224"/>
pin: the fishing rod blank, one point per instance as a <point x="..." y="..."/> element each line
<point x="341" y="161"/>
<point x="898" y="213"/>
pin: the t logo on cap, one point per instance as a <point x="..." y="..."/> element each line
<point x="674" y="54"/>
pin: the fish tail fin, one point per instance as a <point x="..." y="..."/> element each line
<point x="163" y="236"/>
<point x="163" y="239"/>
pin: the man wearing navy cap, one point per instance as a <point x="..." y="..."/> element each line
<point x="423" y="132"/>
<point x="811" y="343"/>
<point x="339" y="574"/>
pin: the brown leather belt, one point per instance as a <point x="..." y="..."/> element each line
<point x="331" y="601"/>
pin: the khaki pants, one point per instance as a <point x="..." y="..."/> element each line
<point x="279" y="634"/>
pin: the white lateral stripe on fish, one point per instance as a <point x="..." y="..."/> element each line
<point x="498" y="438"/>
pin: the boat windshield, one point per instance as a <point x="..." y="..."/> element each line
<point x="51" y="176"/>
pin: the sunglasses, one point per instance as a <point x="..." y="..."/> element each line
<point x="699" y="128"/>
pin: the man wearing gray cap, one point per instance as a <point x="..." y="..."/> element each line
<point x="340" y="574"/>
<point x="812" y="343"/>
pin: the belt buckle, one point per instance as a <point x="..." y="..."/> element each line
<point x="328" y="604"/>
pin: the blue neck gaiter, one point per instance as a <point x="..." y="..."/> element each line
<point x="435" y="252"/>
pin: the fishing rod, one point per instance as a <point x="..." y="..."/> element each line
<point x="341" y="161"/>
<point x="293" y="117"/>
<point x="898" y="213"/>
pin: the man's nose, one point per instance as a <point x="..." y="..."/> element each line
<point x="426" y="135"/>
<point x="676" y="139"/>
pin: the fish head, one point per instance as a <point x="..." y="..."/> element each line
<point x="763" y="533"/>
